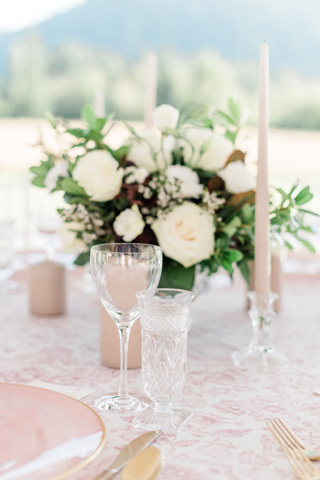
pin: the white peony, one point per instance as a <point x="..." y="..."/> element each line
<point x="58" y="170"/>
<point x="129" y="224"/>
<point x="186" y="234"/>
<point x="237" y="178"/>
<point x="165" y="116"/>
<point x="211" y="149"/>
<point x="68" y="234"/>
<point x="147" y="152"/>
<point x="99" y="174"/>
<point x="190" y="185"/>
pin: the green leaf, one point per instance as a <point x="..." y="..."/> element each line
<point x="309" y="212"/>
<point x="307" y="244"/>
<point x="246" y="213"/>
<point x="208" y="123"/>
<point x="281" y="217"/>
<point x="82" y="259"/>
<point x="77" y="132"/>
<point x="130" y="128"/>
<point x="288" y="245"/>
<point x="232" y="136"/>
<point x="38" y="182"/>
<point x="42" y="169"/>
<point x="100" y="123"/>
<point x="232" y="255"/>
<point x="89" y="116"/>
<point x="121" y="152"/>
<point x="175" y="275"/>
<point x="51" y="119"/>
<point x="226" y="117"/>
<point x="227" y="265"/>
<point x="234" y="110"/>
<point x="304" y="196"/>
<point x="245" y="270"/>
<point x="71" y="186"/>
<point x="231" y="228"/>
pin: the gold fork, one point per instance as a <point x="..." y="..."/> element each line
<point x="300" y="464"/>
<point x="291" y="440"/>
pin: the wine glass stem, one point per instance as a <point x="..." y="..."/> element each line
<point x="124" y="333"/>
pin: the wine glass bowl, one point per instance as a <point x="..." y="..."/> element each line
<point x="119" y="271"/>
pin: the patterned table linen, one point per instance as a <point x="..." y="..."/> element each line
<point x="227" y="437"/>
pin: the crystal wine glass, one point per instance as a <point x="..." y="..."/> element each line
<point x="119" y="271"/>
<point x="165" y="317"/>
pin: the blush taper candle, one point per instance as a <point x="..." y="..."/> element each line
<point x="261" y="250"/>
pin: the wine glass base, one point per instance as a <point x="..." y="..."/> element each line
<point x="170" y="423"/>
<point x="117" y="403"/>
<point x="259" y="358"/>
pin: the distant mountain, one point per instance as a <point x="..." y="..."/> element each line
<point x="235" y="28"/>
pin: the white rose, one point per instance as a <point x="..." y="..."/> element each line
<point x="136" y="175"/>
<point x="190" y="185"/>
<point x="68" y="234"/>
<point x="186" y="234"/>
<point x="58" y="170"/>
<point x="165" y="116"/>
<point x="99" y="174"/>
<point x="237" y="178"/>
<point x="211" y="149"/>
<point x="147" y="152"/>
<point x="129" y="224"/>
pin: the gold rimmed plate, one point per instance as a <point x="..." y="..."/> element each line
<point x="45" y="435"/>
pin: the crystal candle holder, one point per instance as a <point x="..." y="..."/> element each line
<point x="260" y="353"/>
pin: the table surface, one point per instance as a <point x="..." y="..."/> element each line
<point x="227" y="437"/>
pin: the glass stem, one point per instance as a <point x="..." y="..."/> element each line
<point x="124" y="333"/>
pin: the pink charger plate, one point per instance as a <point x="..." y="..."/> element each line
<point x="45" y="435"/>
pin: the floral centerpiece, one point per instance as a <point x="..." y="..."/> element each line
<point x="183" y="185"/>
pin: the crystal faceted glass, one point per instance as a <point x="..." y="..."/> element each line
<point x="165" y="317"/>
<point x="119" y="271"/>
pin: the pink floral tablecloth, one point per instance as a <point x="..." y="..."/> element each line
<point x="227" y="437"/>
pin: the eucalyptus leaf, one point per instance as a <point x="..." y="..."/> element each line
<point x="71" y="186"/>
<point x="82" y="259"/>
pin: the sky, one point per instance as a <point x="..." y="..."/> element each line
<point x="18" y="14"/>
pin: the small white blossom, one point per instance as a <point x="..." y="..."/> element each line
<point x="129" y="224"/>
<point x="190" y="186"/>
<point x="165" y="116"/>
<point x="136" y="175"/>
<point x="59" y="170"/>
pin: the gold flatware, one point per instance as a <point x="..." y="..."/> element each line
<point x="144" y="466"/>
<point x="290" y="439"/>
<point x="300" y="464"/>
<point x="127" y="453"/>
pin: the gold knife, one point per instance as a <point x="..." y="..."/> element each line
<point x="127" y="453"/>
